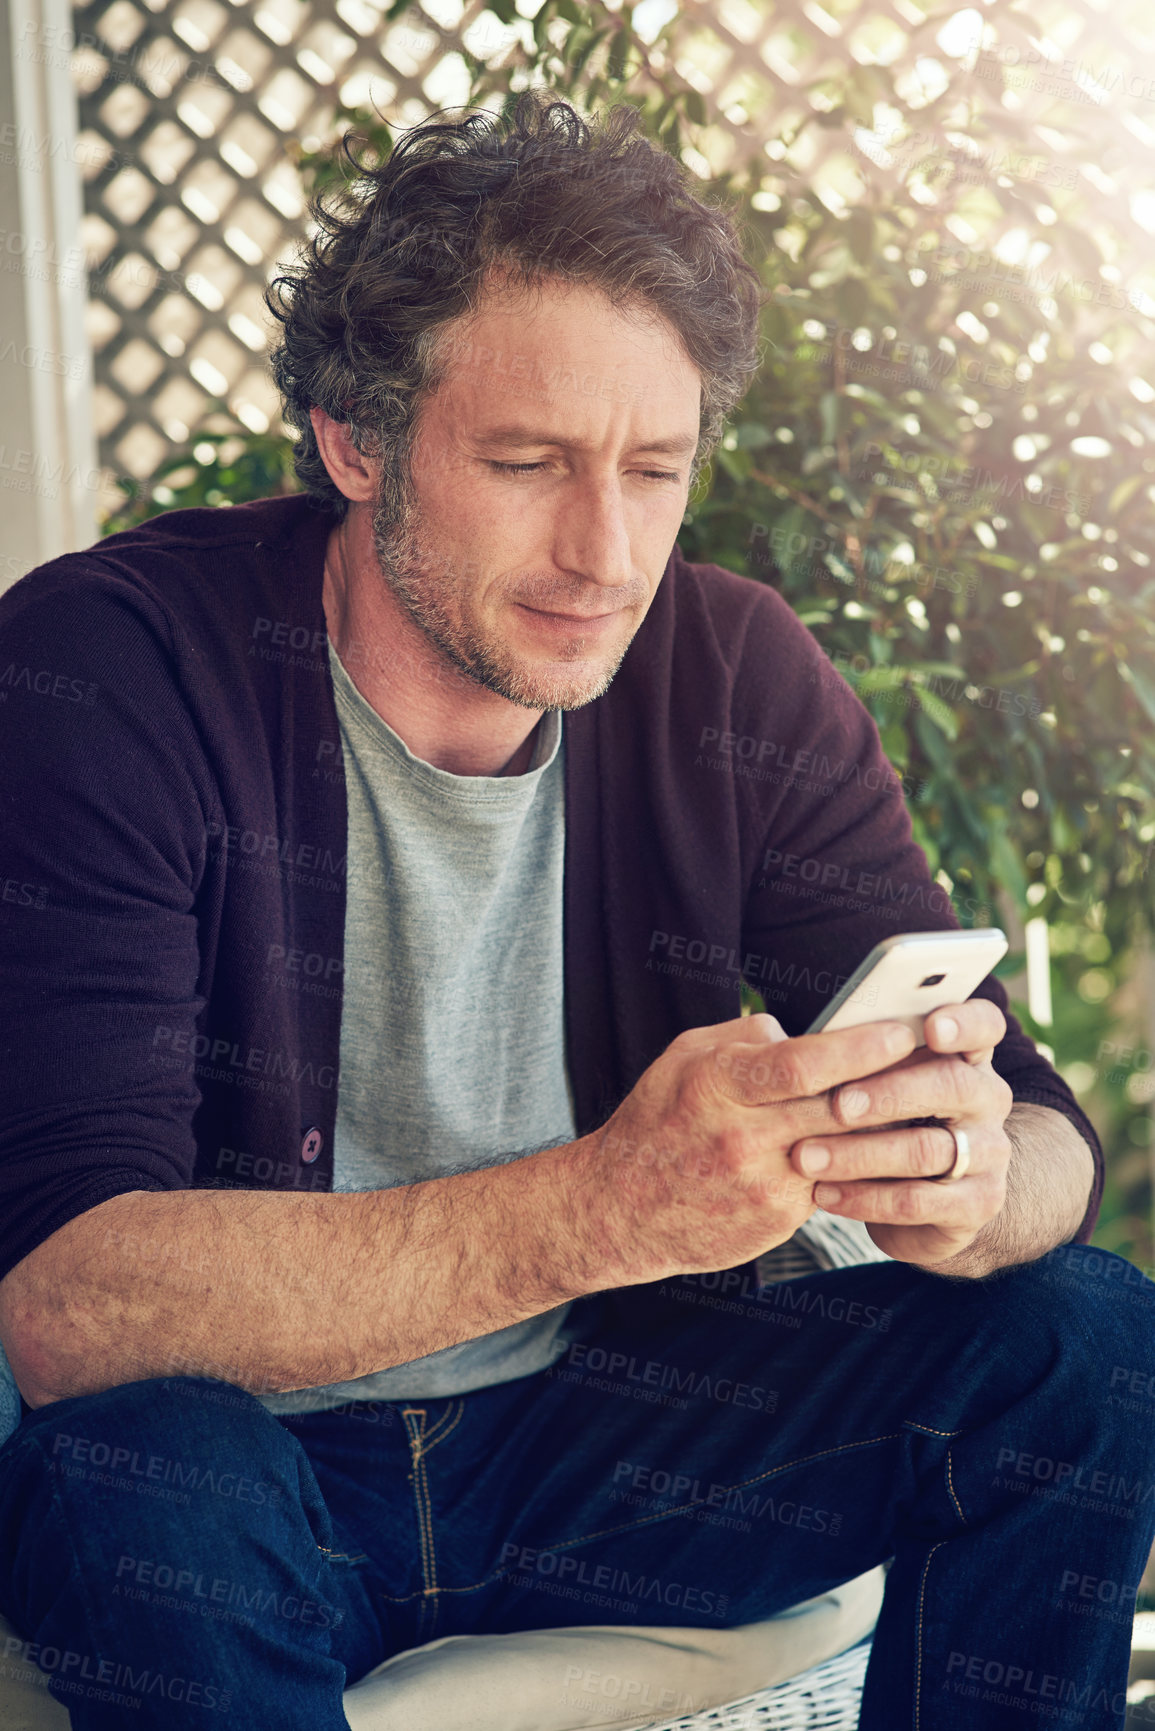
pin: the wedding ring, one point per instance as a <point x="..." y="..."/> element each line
<point x="962" y="1158"/>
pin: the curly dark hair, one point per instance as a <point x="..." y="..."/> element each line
<point x="402" y="250"/>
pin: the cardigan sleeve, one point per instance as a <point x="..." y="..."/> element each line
<point x="835" y="867"/>
<point x="102" y="843"/>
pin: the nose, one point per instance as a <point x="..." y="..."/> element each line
<point x="591" y="535"/>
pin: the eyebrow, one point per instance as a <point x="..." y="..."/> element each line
<point x="519" y="435"/>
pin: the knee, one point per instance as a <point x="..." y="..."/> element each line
<point x="173" y="1439"/>
<point x="1100" y="1311"/>
<point x="131" y="1485"/>
<point x="1093" y="1287"/>
<point x="186" y="1407"/>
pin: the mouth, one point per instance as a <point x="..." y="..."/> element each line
<point x="570" y="621"/>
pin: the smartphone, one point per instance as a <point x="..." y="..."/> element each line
<point x="905" y="977"/>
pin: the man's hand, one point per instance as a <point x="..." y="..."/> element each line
<point x="885" y="1176"/>
<point x="693" y="1171"/>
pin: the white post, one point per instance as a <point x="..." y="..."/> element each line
<point x="1037" y="936"/>
<point x="48" y="463"/>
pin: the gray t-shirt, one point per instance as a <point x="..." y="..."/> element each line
<point x="452" y="1033"/>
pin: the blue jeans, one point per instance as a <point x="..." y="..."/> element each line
<point x="707" y="1452"/>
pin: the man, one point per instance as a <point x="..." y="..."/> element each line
<point x="374" y="1059"/>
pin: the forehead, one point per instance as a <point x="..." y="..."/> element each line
<point x="562" y="348"/>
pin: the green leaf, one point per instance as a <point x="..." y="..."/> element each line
<point x="1005" y="860"/>
<point x="939" y="712"/>
<point x="932" y="739"/>
<point x="880" y="679"/>
<point x="828" y="405"/>
<point x="1143" y="687"/>
<point x="694" y="104"/>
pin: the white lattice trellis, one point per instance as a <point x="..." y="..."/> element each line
<point x="188" y="110"/>
<point x="191" y="194"/>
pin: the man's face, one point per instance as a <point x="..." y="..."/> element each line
<point x="550" y="474"/>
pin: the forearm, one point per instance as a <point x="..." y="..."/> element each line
<point x="279" y="1290"/>
<point x="1049" y="1180"/>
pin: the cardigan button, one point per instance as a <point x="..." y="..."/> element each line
<point x="312" y="1145"/>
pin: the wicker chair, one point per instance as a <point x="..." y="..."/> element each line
<point x="825" y="1698"/>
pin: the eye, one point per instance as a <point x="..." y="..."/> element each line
<point x="516" y="468"/>
<point x="661" y="475"/>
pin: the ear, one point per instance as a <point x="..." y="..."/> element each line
<point x="352" y="473"/>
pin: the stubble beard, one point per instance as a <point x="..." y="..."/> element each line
<point x="429" y="597"/>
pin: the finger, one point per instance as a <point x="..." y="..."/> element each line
<point x="964" y="1207"/>
<point x="807" y="1067"/>
<point x="768" y="1027"/>
<point x="973" y="1029"/>
<point x="920" y="1151"/>
<point x="742" y="1030"/>
<point x="942" y="1087"/>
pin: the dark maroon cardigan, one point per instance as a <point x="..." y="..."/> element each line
<point x="172" y="873"/>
